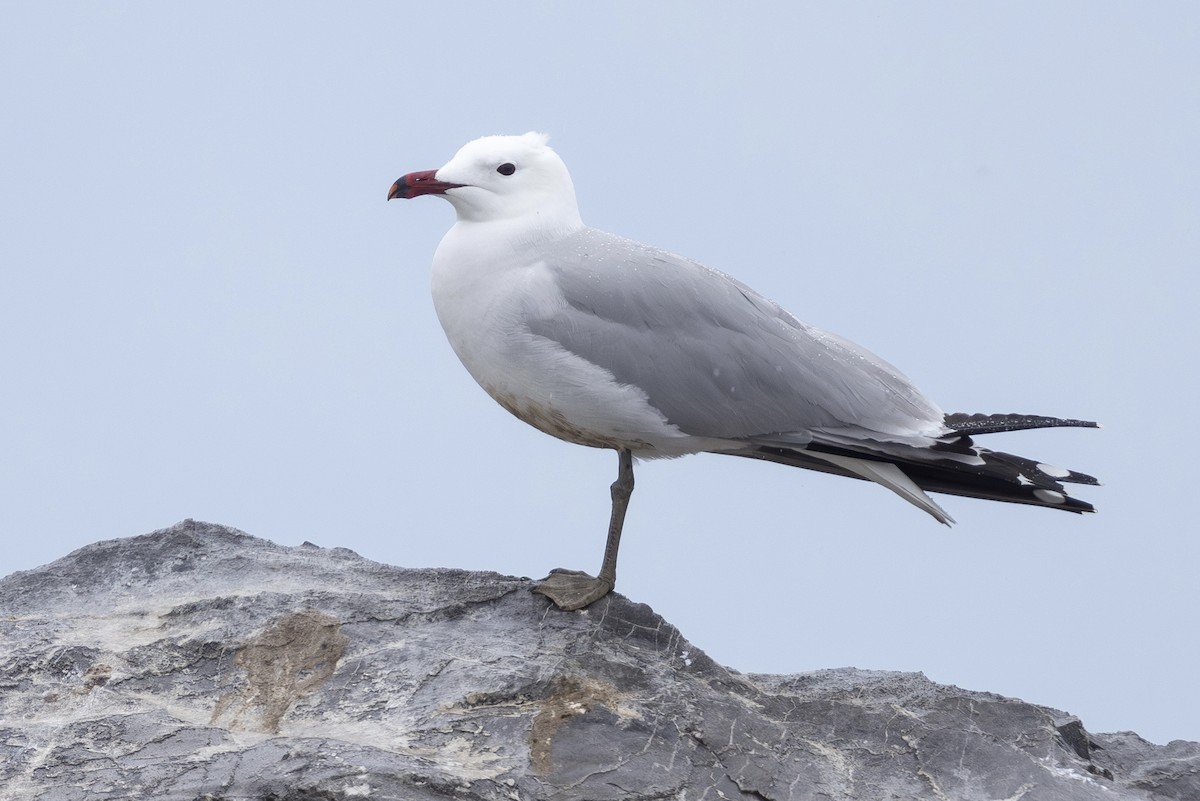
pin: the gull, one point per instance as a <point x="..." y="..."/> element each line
<point x="605" y="342"/>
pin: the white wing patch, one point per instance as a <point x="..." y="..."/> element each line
<point x="1050" y="496"/>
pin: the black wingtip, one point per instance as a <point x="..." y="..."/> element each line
<point x="971" y="424"/>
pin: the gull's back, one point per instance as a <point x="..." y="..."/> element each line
<point x="714" y="356"/>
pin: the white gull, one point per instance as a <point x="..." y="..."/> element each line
<point x="606" y="342"/>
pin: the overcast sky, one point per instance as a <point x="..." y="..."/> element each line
<point x="208" y="310"/>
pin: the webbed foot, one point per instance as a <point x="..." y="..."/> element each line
<point x="573" y="589"/>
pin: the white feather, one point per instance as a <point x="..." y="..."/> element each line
<point x="888" y="475"/>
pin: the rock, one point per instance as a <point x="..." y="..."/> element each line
<point x="198" y="662"/>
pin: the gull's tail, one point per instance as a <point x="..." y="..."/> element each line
<point x="952" y="464"/>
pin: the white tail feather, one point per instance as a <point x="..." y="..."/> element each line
<point x="890" y="476"/>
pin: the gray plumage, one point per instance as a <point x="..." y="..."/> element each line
<point x="714" y="356"/>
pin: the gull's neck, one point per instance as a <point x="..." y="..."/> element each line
<point x="514" y="234"/>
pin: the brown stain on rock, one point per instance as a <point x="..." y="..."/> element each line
<point x="570" y="697"/>
<point x="285" y="662"/>
<point x="97" y="676"/>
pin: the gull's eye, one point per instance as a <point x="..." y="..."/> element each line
<point x="507" y="168"/>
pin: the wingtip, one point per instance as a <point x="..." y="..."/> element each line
<point x="967" y="424"/>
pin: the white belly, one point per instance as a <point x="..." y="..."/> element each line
<point x="483" y="307"/>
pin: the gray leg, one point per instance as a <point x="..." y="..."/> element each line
<point x="574" y="589"/>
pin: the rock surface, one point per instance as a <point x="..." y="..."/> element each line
<point x="198" y="662"/>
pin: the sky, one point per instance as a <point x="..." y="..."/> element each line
<point x="208" y="310"/>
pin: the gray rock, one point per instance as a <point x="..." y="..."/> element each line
<point x="198" y="662"/>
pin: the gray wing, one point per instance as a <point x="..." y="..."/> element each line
<point x="715" y="357"/>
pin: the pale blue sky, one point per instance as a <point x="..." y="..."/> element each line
<point x="208" y="310"/>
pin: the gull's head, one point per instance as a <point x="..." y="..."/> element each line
<point x="500" y="178"/>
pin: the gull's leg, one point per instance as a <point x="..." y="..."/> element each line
<point x="574" y="589"/>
